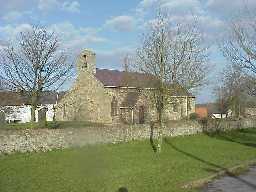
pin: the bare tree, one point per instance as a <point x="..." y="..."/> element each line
<point x="35" y="63"/>
<point x="236" y="89"/>
<point x="221" y="100"/>
<point x="234" y="82"/>
<point x="240" y="46"/>
<point x="176" y="57"/>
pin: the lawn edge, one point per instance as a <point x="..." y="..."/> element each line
<point x="232" y="171"/>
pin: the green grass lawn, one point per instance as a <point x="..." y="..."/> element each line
<point x="132" y="165"/>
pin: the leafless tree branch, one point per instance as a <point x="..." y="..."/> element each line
<point x="35" y="64"/>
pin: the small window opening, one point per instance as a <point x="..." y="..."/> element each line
<point x="114" y="106"/>
<point x="189" y="105"/>
<point x="85" y="61"/>
<point x="175" y="107"/>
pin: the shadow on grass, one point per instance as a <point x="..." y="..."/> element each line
<point x="245" y="137"/>
<point x="151" y="138"/>
<point x="215" y="167"/>
<point x="122" y="189"/>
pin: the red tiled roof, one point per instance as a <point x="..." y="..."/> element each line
<point x="202" y="112"/>
<point x="211" y="108"/>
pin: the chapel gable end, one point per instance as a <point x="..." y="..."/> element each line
<point x="86" y="62"/>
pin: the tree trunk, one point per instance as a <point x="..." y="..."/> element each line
<point x="33" y="113"/>
<point x="160" y="132"/>
<point x="160" y="127"/>
<point x="34" y="101"/>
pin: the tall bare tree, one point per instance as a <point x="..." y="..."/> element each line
<point x="234" y="83"/>
<point x="35" y="63"/>
<point x="221" y="100"/>
<point x="175" y="56"/>
<point x="235" y="90"/>
<point x="240" y="46"/>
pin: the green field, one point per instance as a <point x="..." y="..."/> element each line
<point x="131" y="165"/>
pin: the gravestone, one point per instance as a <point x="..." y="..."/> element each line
<point x="42" y="115"/>
<point x="2" y="117"/>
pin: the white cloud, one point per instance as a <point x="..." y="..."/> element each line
<point x="114" y="58"/>
<point x="207" y="22"/>
<point x="73" y="7"/>
<point x="50" y="5"/>
<point x="11" y="31"/>
<point x="11" y="10"/>
<point x="182" y="6"/>
<point x="71" y="37"/>
<point x="147" y="3"/>
<point x="12" y="15"/>
<point x="185" y="11"/>
<point x="144" y="5"/>
<point x="16" y="5"/>
<point x="47" y="5"/>
<point x="173" y="6"/>
<point x="230" y="7"/>
<point x="75" y="38"/>
<point x="121" y="23"/>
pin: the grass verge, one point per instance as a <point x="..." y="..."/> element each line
<point x="132" y="165"/>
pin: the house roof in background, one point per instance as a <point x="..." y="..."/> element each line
<point x="212" y="108"/>
<point x="202" y="111"/>
<point x="11" y="98"/>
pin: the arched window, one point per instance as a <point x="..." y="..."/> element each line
<point x="141" y="115"/>
<point x="175" y="107"/>
<point x="64" y="110"/>
<point x="189" y="105"/>
<point x="114" y="106"/>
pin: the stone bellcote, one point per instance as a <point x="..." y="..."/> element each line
<point x="86" y="62"/>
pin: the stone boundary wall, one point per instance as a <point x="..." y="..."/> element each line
<point x="227" y="125"/>
<point x="34" y="140"/>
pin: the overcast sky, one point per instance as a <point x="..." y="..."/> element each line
<point x="112" y="27"/>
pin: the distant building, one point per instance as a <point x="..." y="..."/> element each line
<point x="211" y="110"/>
<point x="17" y="108"/>
<point x="106" y="96"/>
<point x="201" y="111"/>
<point x="250" y="112"/>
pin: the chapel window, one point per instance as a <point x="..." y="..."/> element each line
<point x="189" y="105"/>
<point x="114" y="106"/>
<point x="175" y="107"/>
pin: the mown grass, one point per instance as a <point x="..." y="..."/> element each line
<point x="132" y="165"/>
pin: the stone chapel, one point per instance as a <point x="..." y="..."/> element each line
<point x="112" y="96"/>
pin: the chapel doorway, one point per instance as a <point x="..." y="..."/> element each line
<point x="141" y="115"/>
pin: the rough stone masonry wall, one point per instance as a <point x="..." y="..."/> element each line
<point x="185" y="105"/>
<point x="143" y="99"/>
<point x="33" y="140"/>
<point x="86" y="101"/>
